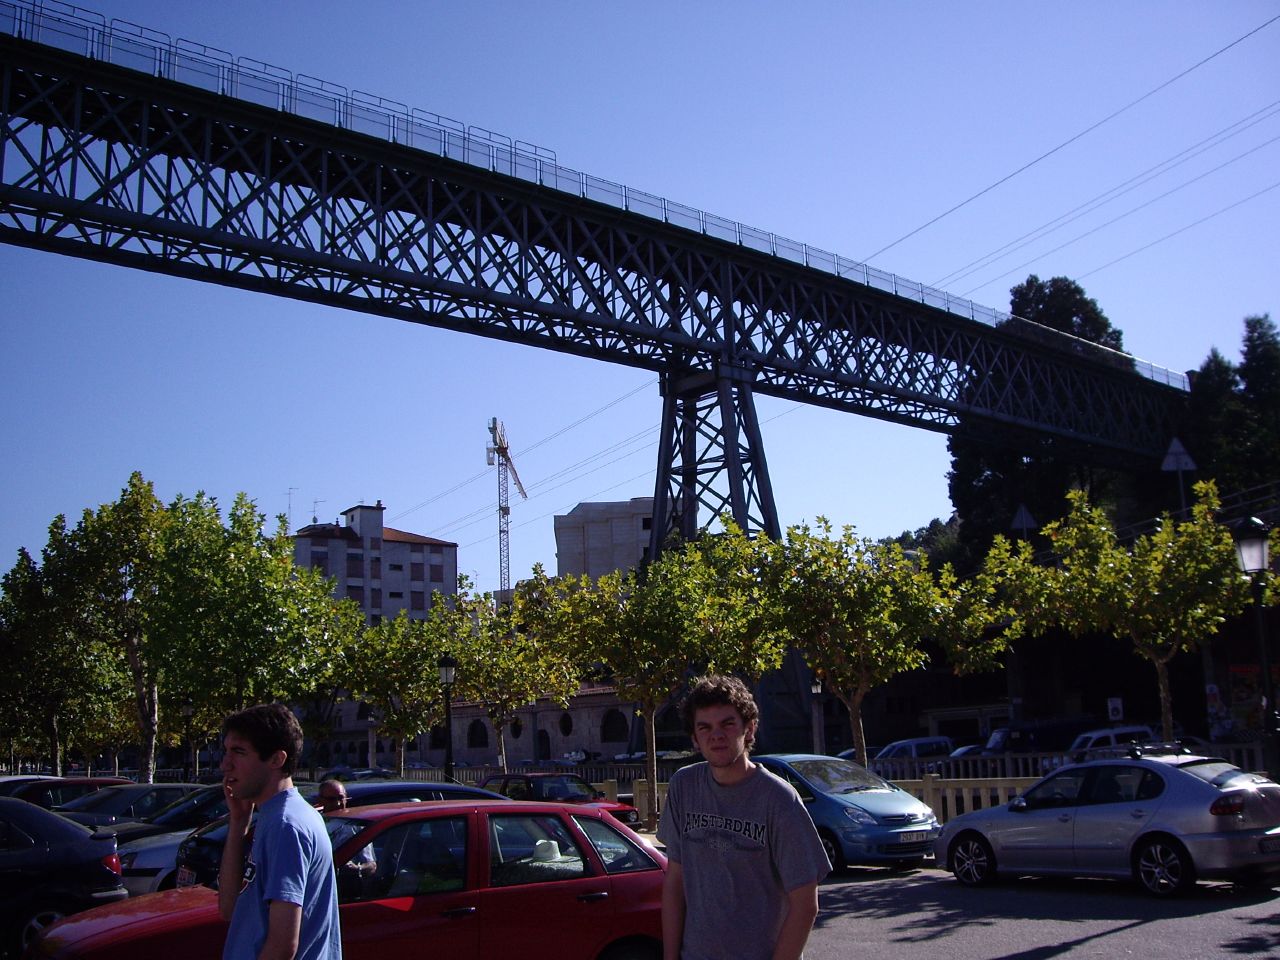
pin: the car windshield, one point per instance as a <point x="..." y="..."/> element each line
<point x="562" y="788"/>
<point x="93" y="801"/>
<point x="831" y="775"/>
<point x="212" y="803"/>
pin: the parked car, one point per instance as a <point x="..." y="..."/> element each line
<point x="1091" y="742"/>
<point x="852" y="754"/>
<point x="54" y="791"/>
<point x="126" y="801"/>
<point x="914" y="748"/>
<point x="191" y="811"/>
<point x="200" y="854"/>
<point x="1160" y="817"/>
<point x="13" y="781"/>
<point x="49" y="868"/>
<point x="559" y="788"/>
<point x="861" y="817"/>
<point x="472" y="879"/>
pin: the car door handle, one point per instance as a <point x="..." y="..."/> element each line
<point x="592" y="897"/>
<point x="458" y="912"/>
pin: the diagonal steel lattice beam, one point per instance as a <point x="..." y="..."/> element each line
<point x="108" y="163"/>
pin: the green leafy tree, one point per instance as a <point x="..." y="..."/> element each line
<point x="1168" y="592"/>
<point x="506" y="661"/>
<point x="393" y="668"/>
<point x="994" y="470"/>
<point x="860" y="611"/>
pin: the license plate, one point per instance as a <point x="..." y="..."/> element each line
<point x="186" y="877"/>
<point x="915" y="836"/>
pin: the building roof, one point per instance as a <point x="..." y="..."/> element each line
<point x="336" y="531"/>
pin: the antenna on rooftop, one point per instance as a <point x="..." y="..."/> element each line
<point x="289" y="514"/>
<point x="498" y="452"/>
<point x="315" y="517"/>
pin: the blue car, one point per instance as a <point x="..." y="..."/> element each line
<point x="861" y="818"/>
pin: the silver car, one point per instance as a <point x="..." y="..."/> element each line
<point x="1161" y="817"/>
<point x="150" y="863"/>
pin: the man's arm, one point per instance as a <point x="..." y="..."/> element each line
<point x="802" y="910"/>
<point x="284" y="925"/>
<point x="672" y="911"/>
<point x="231" y="867"/>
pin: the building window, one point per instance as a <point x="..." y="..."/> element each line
<point x="396" y="595"/>
<point x="375" y="543"/>
<point x="355" y="564"/>
<point x="477" y="735"/>
<point x="436" y="550"/>
<point x="320" y="561"/>
<point x="375" y="619"/>
<point x="375" y="568"/>
<point x="417" y="600"/>
<point x="375" y="598"/>
<point x="646" y="523"/>
<point x="356" y="594"/>
<point x="415" y="572"/>
<point x="396" y="567"/>
<point x="614" y="727"/>
<point x="517" y="728"/>
<point x="437" y="573"/>
<point x="566" y="724"/>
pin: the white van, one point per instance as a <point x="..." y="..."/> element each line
<point x="1092" y="741"/>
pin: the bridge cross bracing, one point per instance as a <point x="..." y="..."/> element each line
<point x="121" y="146"/>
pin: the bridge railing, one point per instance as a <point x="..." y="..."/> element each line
<point x="136" y="47"/>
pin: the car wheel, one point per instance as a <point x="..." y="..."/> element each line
<point x="972" y="860"/>
<point x="633" y="951"/>
<point x="37" y="921"/>
<point x="1163" y="867"/>
<point x="832" y="847"/>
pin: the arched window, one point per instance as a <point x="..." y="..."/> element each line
<point x="543" y="751"/>
<point x="477" y="734"/>
<point x="517" y="728"/>
<point x="613" y="729"/>
<point x="566" y="724"/>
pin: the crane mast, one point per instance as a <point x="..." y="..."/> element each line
<point x="499" y="453"/>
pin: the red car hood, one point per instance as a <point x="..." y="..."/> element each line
<point x="178" y="923"/>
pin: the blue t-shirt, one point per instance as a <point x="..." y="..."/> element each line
<point x="291" y="860"/>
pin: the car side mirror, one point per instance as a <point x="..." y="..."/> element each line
<point x="1018" y="805"/>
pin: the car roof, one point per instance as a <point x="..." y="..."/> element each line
<point x="535" y="774"/>
<point x="793" y="757"/>
<point x="378" y="812"/>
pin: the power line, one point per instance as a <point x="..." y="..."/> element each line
<point x="1169" y="236"/>
<point x="1114" y="193"/>
<point x="1070" y="140"/>
<point x="1117" y="219"/>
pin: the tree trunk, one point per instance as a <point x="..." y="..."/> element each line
<point x="55" y="744"/>
<point x="401" y="749"/>
<point x="1166" y="699"/>
<point x="147" y="698"/>
<point x="500" y="730"/>
<point x="854" y="705"/>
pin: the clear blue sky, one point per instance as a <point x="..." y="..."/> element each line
<point x="843" y="125"/>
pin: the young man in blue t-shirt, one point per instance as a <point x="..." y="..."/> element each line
<point x="283" y="901"/>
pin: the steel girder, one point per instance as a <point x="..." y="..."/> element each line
<point x="103" y="162"/>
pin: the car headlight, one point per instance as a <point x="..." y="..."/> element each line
<point x="859" y="816"/>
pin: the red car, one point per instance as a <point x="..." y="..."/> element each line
<point x="559" y="788"/>
<point x="55" y="791"/>
<point x="471" y="879"/>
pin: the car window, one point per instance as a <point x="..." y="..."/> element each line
<point x="934" y="748"/>
<point x="1060" y="790"/>
<point x="839" y="776"/>
<point x="618" y="853"/>
<point x="13" y="838"/>
<point x="532" y="849"/>
<point x="1115" y="784"/>
<point x="802" y="788"/>
<point x="565" y="788"/>
<point x="409" y="860"/>
<point x="1219" y="772"/>
<point x="517" y="788"/>
<point x="1150" y="786"/>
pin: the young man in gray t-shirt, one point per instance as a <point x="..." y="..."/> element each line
<point x="744" y="857"/>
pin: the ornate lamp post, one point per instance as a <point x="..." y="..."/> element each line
<point x="1253" y="552"/>
<point x="448" y="671"/>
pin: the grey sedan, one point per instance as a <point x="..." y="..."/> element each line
<point x="1161" y="817"/>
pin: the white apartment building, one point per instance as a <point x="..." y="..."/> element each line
<point x="384" y="570"/>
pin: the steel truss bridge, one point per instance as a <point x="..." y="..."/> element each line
<point x="121" y="146"/>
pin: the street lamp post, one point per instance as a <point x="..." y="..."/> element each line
<point x="448" y="671"/>
<point x="1253" y="551"/>
<point x="815" y="709"/>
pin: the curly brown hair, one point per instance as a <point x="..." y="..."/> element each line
<point x="269" y="727"/>
<point x="718" y="690"/>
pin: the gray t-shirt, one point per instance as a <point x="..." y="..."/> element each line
<point x="742" y="849"/>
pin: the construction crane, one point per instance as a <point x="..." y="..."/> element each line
<point x="498" y="452"/>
